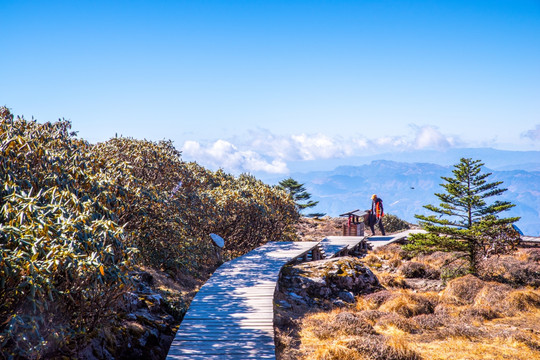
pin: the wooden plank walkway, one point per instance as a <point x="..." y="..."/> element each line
<point x="232" y="315"/>
<point x="378" y="241"/>
<point x="530" y="241"/>
<point x="333" y="246"/>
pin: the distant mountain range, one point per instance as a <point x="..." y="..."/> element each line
<point x="407" y="181"/>
<point x="493" y="158"/>
<point x="406" y="187"/>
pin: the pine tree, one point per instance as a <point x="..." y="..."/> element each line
<point x="299" y="194"/>
<point x="464" y="222"/>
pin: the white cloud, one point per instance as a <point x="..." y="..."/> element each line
<point x="391" y="143"/>
<point x="301" y="146"/>
<point x="533" y="134"/>
<point x="223" y="154"/>
<point x="316" y="146"/>
<point x="263" y="151"/>
<point x="429" y="137"/>
<point x="191" y="147"/>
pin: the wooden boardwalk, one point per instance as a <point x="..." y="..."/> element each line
<point x="532" y="240"/>
<point x="334" y="246"/>
<point x="378" y="241"/>
<point x="232" y="315"/>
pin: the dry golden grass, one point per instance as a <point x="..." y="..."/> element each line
<point x="335" y="351"/>
<point x="524" y="300"/>
<point x="372" y="260"/>
<point x="461" y="348"/>
<point x="349" y="335"/>
<point x="470" y="319"/>
<point x="391" y="280"/>
<point x="391" y="251"/>
<point x="408" y="304"/>
<point x="462" y="290"/>
<point x="394" y="330"/>
<point x="363" y="303"/>
<point x="337" y="324"/>
<point x="397" y="322"/>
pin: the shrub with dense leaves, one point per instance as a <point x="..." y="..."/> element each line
<point x="173" y="206"/>
<point x="250" y="213"/>
<point x="73" y="215"/>
<point x="394" y="224"/>
<point x="63" y="264"/>
<point x="157" y="220"/>
<point x="243" y="210"/>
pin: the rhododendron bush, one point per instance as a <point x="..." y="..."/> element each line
<point x="76" y="217"/>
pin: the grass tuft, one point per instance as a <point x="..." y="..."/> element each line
<point x="392" y="281"/>
<point x="409" y="304"/>
<point x="462" y="290"/>
<point x="524" y="300"/>
<point x="383" y="348"/>
<point x="336" y="352"/>
<point x="372" y="260"/>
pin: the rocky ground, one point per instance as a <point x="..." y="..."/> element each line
<point x="384" y="305"/>
<point x="148" y="321"/>
<point x="387" y="305"/>
<point x="316" y="286"/>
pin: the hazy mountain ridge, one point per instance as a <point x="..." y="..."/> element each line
<point x="406" y="187"/>
<point x="493" y="158"/>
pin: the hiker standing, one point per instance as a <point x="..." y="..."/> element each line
<point x="376" y="214"/>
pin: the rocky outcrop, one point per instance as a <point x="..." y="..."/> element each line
<point x="326" y="282"/>
<point x="143" y="330"/>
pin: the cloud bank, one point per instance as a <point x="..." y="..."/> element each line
<point x="223" y="154"/>
<point x="262" y="151"/>
<point x="533" y="134"/>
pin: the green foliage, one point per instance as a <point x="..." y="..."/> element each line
<point x="299" y="194"/>
<point x="243" y="210"/>
<point x="74" y="216"/>
<point x="392" y="223"/>
<point x="173" y="206"/>
<point x="466" y="223"/>
<point x="62" y="261"/>
<point x="153" y="216"/>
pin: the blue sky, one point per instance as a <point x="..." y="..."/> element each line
<point x="256" y="85"/>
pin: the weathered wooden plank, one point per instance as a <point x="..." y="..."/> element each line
<point x="378" y="241"/>
<point x="220" y="318"/>
<point x="246" y="356"/>
<point x="223" y="332"/>
<point x="231" y="317"/>
<point x="332" y="245"/>
<point x="220" y="335"/>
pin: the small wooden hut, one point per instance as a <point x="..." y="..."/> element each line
<point x="355" y="223"/>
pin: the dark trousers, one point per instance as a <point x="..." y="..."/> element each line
<point x="372" y="226"/>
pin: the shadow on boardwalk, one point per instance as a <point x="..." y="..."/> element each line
<point x="231" y="317"/>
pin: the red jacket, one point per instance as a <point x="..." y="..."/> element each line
<point x="377" y="207"/>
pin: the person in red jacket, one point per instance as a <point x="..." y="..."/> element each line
<point x="376" y="214"/>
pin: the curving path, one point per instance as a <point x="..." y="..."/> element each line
<point x="232" y="315"/>
<point x="378" y="241"/>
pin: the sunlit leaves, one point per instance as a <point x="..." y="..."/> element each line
<point x="61" y="250"/>
<point x="73" y="217"/>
